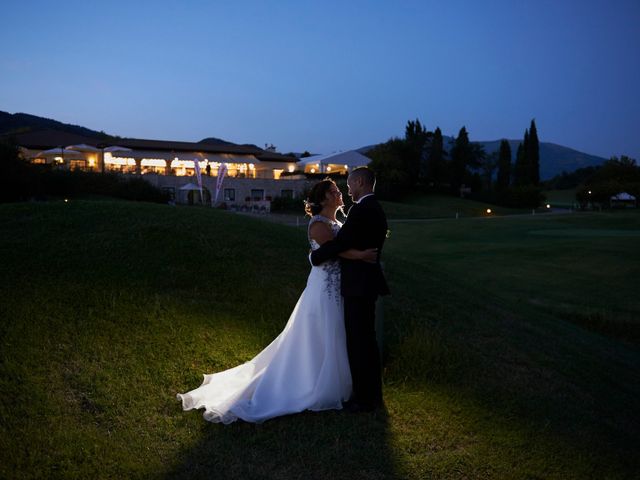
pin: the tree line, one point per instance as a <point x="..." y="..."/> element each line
<point x="422" y="160"/>
<point x="23" y="181"/>
<point x="616" y="175"/>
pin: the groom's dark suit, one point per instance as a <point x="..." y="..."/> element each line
<point x="361" y="283"/>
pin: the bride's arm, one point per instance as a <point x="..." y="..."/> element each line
<point x="320" y="232"/>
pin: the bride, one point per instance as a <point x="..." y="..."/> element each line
<point x="306" y="366"/>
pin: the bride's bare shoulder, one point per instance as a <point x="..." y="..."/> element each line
<point x="320" y="232"/>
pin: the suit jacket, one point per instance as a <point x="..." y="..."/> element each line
<point x="365" y="227"/>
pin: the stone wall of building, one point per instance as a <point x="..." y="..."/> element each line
<point x="235" y="192"/>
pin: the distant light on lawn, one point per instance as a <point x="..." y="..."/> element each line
<point x="548" y="206"/>
<point x="488" y="210"/>
<point x="66" y="200"/>
<point x="589" y="192"/>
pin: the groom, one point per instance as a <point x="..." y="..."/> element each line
<point x="361" y="283"/>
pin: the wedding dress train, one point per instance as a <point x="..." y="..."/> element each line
<point x="305" y="368"/>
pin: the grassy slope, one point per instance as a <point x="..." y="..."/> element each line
<point x="108" y="309"/>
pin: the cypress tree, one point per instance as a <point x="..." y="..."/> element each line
<point x="533" y="155"/>
<point x="416" y="138"/>
<point x="504" y="166"/>
<point x="461" y="156"/>
<point x="436" y="171"/>
<point x="523" y="170"/>
<point x="526" y="161"/>
<point x="520" y="172"/>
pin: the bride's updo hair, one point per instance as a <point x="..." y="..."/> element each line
<point x="317" y="195"/>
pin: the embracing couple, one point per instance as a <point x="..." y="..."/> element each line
<point x="327" y="355"/>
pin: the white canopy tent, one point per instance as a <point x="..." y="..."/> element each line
<point x="623" y="199"/>
<point x="83" y="147"/>
<point x="59" y="152"/>
<point x="334" y="162"/>
<point x="192" y="187"/>
<point x="624" y="196"/>
<point x="116" y="148"/>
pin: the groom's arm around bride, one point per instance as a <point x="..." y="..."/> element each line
<point x="365" y="227"/>
<point x="360" y="285"/>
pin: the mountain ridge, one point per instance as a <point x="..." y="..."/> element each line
<point x="554" y="158"/>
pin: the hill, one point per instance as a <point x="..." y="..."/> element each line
<point x="23" y="122"/>
<point x="554" y="159"/>
<point x="506" y="357"/>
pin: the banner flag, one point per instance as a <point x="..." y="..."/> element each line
<point x="221" y="173"/>
<point x="196" y="165"/>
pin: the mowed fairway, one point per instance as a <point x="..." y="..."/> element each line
<point x="512" y="346"/>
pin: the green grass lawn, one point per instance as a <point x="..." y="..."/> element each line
<point x="512" y="346"/>
<point x="420" y="206"/>
<point x="442" y="206"/>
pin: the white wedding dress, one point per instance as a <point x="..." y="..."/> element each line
<point x="305" y="368"/>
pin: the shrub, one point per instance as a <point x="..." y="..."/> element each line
<point x="20" y="181"/>
<point x="285" y="204"/>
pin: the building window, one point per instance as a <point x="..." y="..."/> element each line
<point x="229" y="194"/>
<point x="286" y="193"/>
<point x="77" y="164"/>
<point x="257" y="194"/>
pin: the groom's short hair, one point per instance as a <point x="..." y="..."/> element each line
<point x="366" y="174"/>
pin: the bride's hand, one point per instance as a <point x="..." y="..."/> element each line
<point x="370" y="255"/>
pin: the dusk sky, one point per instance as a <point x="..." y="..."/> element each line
<point x="325" y="76"/>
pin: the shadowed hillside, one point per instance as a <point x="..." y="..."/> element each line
<point x="554" y="159"/>
<point x="508" y="355"/>
<point x="23" y="122"/>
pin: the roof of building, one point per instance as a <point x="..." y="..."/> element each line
<point x="352" y="158"/>
<point x="45" y="139"/>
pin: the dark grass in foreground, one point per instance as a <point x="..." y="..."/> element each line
<point x="493" y="370"/>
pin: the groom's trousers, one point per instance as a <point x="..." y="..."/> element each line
<point x="362" y="348"/>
